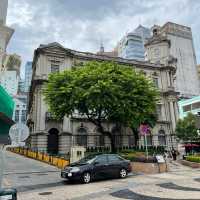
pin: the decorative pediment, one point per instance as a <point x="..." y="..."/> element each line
<point x="55" y="48"/>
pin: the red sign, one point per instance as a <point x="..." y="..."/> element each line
<point x="144" y="129"/>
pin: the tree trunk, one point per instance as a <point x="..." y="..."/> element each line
<point x="136" y="134"/>
<point x="107" y="133"/>
<point x="112" y="141"/>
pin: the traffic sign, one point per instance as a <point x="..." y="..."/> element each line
<point x="18" y="133"/>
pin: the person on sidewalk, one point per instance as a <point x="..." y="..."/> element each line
<point x="174" y="154"/>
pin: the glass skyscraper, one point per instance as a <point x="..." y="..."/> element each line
<point x="28" y="76"/>
<point x="131" y="45"/>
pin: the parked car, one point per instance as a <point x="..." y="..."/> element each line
<point x="96" y="167"/>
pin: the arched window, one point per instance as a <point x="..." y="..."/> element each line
<point x="117" y="137"/>
<point x="161" y="138"/>
<point x="53" y="141"/>
<point x="81" y="137"/>
<point x="149" y="140"/>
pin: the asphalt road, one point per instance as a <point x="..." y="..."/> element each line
<point x="36" y="180"/>
<point x="26" y="174"/>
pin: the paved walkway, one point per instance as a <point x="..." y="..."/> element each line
<point x="182" y="183"/>
<point x="26" y="174"/>
<point x="38" y="181"/>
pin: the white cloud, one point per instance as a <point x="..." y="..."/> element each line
<point x="20" y="12"/>
<point x="80" y="25"/>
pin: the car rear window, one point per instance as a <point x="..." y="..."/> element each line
<point x="114" y="158"/>
<point x="102" y="159"/>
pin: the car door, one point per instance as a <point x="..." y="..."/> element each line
<point x="101" y="169"/>
<point x="114" y="165"/>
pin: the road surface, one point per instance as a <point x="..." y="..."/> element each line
<point x="35" y="180"/>
<point x="26" y="174"/>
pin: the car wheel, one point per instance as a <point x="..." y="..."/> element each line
<point x="86" y="178"/>
<point x="122" y="173"/>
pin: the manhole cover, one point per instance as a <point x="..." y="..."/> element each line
<point x="24" y="176"/>
<point x="45" y="193"/>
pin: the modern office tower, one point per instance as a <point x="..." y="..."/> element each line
<point x="174" y="41"/>
<point x="131" y="46"/>
<point x="21" y="86"/>
<point x="189" y="106"/>
<point x="19" y="114"/>
<point x="28" y="76"/>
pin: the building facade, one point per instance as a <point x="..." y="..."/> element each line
<point x="50" y="135"/>
<point x="19" y="114"/>
<point x="10" y="73"/>
<point x="175" y="41"/>
<point x="3" y="11"/>
<point x="189" y="105"/>
<point x="198" y="67"/>
<point x="131" y="46"/>
<point x="28" y="76"/>
<point x="5" y="32"/>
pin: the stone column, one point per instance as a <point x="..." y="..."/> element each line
<point x="173" y="119"/>
<point x="176" y="110"/>
<point x="42" y="140"/>
<point x="65" y="143"/>
<point x="168" y="79"/>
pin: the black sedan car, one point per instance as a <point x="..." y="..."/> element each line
<point x="96" y="167"/>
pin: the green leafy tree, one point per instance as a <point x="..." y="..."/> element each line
<point x="186" y="128"/>
<point x="102" y="91"/>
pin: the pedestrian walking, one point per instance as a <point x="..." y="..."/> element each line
<point x="174" y="154"/>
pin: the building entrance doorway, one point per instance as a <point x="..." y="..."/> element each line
<point x="52" y="147"/>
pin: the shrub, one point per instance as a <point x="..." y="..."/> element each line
<point x="193" y="159"/>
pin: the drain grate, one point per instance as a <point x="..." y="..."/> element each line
<point x="24" y="176"/>
<point x="41" y="174"/>
<point x="45" y="193"/>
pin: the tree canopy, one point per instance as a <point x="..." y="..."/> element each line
<point x="186" y="128"/>
<point x="102" y="91"/>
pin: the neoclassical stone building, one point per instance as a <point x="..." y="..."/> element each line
<point x="54" y="136"/>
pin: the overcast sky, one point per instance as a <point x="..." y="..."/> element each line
<point x="82" y="24"/>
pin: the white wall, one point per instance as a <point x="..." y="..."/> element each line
<point x="187" y="81"/>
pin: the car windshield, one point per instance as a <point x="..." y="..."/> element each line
<point x="88" y="159"/>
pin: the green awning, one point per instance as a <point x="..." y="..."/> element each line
<point x="6" y="113"/>
<point x="6" y="103"/>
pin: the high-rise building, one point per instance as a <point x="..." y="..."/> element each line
<point x="131" y="46"/>
<point x="10" y="74"/>
<point x="5" y="32"/>
<point x="173" y="41"/>
<point x="21" y="87"/>
<point x="3" y="11"/>
<point x="19" y="114"/>
<point x="28" y="76"/>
